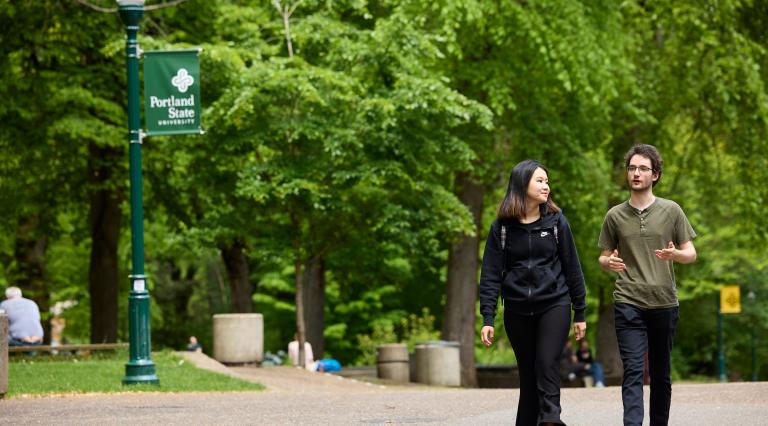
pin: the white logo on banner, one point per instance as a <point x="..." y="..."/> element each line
<point x="182" y="80"/>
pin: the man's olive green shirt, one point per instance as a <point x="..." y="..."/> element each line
<point x="646" y="282"/>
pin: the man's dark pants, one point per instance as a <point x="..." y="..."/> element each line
<point x="639" y="330"/>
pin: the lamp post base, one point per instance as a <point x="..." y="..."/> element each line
<point x="140" y="372"/>
<point x="140" y="368"/>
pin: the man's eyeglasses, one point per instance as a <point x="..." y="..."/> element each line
<point x="643" y="169"/>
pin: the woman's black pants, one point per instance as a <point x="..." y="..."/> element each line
<point x="538" y="341"/>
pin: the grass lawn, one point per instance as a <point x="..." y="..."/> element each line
<point x="57" y="374"/>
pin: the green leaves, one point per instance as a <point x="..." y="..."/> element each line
<point x="351" y="147"/>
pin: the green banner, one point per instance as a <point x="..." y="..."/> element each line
<point x="172" y="92"/>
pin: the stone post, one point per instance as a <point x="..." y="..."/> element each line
<point x="238" y="338"/>
<point x="438" y="363"/>
<point x="392" y="362"/>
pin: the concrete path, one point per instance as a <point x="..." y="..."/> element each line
<point x="295" y="396"/>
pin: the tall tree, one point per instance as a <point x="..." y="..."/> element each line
<point x="545" y="69"/>
<point x="67" y="105"/>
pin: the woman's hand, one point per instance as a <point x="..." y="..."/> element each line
<point x="486" y="335"/>
<point x="579" y="329"/>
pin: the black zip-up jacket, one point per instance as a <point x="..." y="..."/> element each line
<point x="542" y="268"/>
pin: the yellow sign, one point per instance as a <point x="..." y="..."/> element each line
<point x="730" y="300"/>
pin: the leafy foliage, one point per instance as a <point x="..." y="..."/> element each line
<point x="348" y="150"/>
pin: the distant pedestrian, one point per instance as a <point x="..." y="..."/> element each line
<point x="530" y="260"/>
<point x="640" y="240"/>
<point x="24" y="326"/>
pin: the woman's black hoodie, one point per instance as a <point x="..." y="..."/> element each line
<point x="542" y="268"/>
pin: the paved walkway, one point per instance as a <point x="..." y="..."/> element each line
<point x="295" y="396"/>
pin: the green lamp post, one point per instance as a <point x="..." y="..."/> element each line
<point x="140" y="368"/>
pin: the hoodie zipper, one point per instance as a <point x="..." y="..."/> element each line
<point x="530" y="263"/>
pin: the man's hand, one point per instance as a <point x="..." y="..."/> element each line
<point x="667" y="253"/>
<point x="686" y="253"/>
<point x="613" y="262"/>
<point x="486" y="335"/>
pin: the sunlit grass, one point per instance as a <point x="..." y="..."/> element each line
<point x="57" y="374"/>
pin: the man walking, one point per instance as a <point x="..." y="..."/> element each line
<point x="640" y="240"/>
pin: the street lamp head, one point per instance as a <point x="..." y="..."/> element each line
<point x="131" y="12"/>
<point x="751" y="295"/>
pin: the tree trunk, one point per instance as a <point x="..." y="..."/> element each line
<point x="239" y="276"/>
<point x="218" y="301"/>
<point x="461" y="286"/>
<point x="298" y="265"/>
<point x="300" y="333"/>
<point x="30" y="274"/>
<point x="607" y="346"/>
<point x="314" y="304"/>
<point x="105" y="217"/>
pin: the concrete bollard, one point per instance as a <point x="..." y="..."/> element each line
<point x="238" y="338"/>
<point x="392" y="362"/>
<point x="420" y="366"/>
<point x="3" y="353"/>
<point x="438" y="363"/>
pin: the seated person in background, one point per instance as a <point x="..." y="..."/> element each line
<point x="591" y="367"/>
<point x="24" y="326"/>
<point x="194" y="345"/>
<point x="322" y="365"/>
<point x="570" y="368"/>
<point x="293" y="354"/>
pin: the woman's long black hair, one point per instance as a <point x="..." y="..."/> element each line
<point x="513" y="206"/>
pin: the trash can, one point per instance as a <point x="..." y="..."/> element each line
<point x="238" y="338"/>
<point x="438" y="363"/>
<point x="392" y="362"/>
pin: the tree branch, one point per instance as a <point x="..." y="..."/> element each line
<point x="295" y="5"/>
<point x="97" y="8"/>
<point x="114" y="9"/>
<point x="286" y="13"/>
<point x="164" y="5"/>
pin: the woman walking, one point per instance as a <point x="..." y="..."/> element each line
<point x="530" y="260"/>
